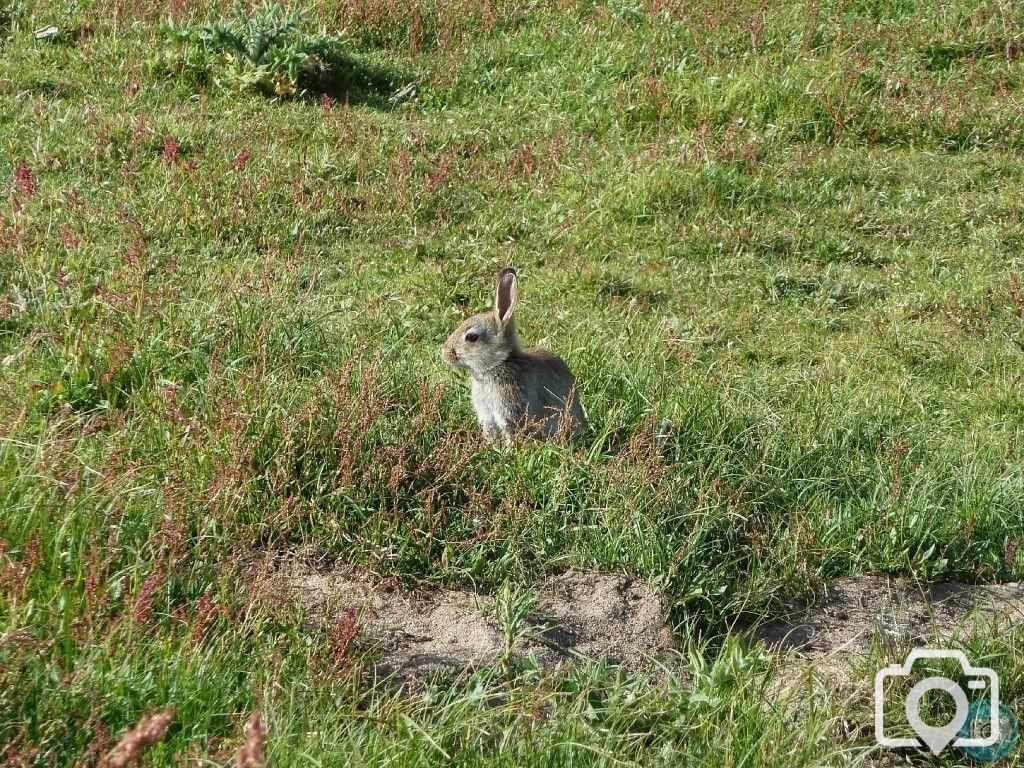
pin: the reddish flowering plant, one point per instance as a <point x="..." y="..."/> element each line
<point x="68" y="238"/>
<point x="150" y="730"/>
<point x="253" y="753"/>
<point x="25" y="180"/>
<point x="241" y="159"/>
<point x="172" y="150"/>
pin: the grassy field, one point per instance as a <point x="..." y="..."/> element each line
<point x="795" y="232"/>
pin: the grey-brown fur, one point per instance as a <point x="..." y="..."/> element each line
<point x="512" y="388"/>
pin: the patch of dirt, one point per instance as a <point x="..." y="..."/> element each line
<point x="592" y="615"/>
<point x="576" y="614"/>
<point x="830" y="639"/>
<point x="860" y="610"/>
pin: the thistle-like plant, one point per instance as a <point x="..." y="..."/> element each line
<point x="10" y="12"/>
<point x="266" y="48"/>
<point x="512" y="609"/>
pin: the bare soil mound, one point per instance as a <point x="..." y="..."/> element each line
<point x="863" y="609"/>
<point x="828" y="642"/>
<point x="593" y="615"/>
<point x="577" y="614"/>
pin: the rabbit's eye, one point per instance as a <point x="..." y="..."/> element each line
<point x="472" y="336"/>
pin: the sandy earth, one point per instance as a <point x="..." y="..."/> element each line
<point x="860" y="609"/>
<point x="828" y="640"/>
<point x="578" y="614"/>
<point x="822" y="648"/>
<point x="592" y="615"/>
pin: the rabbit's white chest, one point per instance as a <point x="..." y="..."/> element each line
<point x="490" y="409"/>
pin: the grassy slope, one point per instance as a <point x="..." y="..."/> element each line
<point x="791" y="232"/>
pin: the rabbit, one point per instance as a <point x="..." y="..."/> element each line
<point x="513" y="388"/>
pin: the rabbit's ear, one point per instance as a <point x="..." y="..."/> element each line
<point x="506" y="295"/>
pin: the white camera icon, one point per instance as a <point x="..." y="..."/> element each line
<point x="937" y="738"/>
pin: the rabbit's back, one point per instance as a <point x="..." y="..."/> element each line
<point x="532" y="386"/>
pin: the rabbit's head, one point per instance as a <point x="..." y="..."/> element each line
<point x="487" y="340"/>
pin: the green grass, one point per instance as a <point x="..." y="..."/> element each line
<point x="793" y="232"/>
